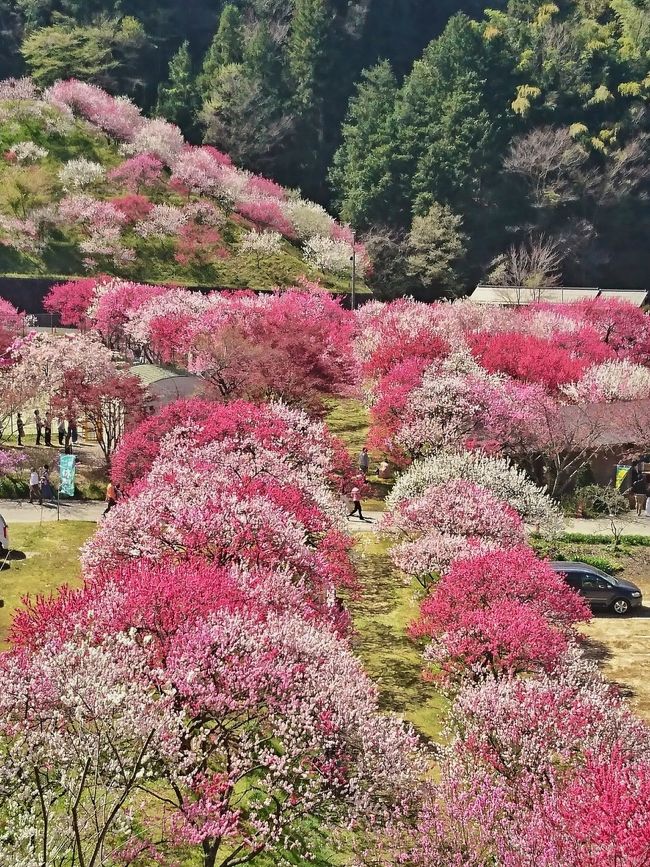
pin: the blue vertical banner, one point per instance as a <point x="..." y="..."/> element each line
<point x="67" y="471"/>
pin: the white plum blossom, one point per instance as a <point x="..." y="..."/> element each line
<point x="163" y="220"/>
<point x="27" y="152"/>
<point x="610" y="381"/>
<point x="325" y="254"/>
<point x="261" y="243"/>
<point x="434" y="552"/>
<point x="158" y="137"/>
<point x="79" y="173"/>
<point x="499" y="475"/>
<point x="308" y="219"/>
<point x="18" y="89"/>
<point x="21" y="235"/>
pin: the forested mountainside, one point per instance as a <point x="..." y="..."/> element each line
<point x="507" y="143"/>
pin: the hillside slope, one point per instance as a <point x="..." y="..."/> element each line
<point x="89" y="186"/>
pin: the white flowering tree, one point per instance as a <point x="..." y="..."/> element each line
<point x="497" y="474"/>
<point x="326" y="254"/>
<point x="261" y="245"/>
<point x="80" y="173"/>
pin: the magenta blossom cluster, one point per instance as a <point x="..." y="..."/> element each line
<point x="459" y="374"/>
<point x="241" y="344"/>
<point x="197" y="697"/>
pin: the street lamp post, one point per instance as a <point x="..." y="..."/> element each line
<point x="354" y="267"/>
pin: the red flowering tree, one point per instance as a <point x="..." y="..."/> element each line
<point x="71" y="301"/>
<point x="295" y="346"/>
<point x="111" y="404"/>
<point x="499" y="613"/>
<point x="528" y="358"/>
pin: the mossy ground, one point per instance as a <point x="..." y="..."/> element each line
<point x="382" y="610"/>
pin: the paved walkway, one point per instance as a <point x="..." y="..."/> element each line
<point x="355" y="525"/>
<point x="22" y="512"/>
<point x="629" y="524"/>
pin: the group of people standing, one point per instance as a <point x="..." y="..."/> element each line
<point x="67" y="432"/>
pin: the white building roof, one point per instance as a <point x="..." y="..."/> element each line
<point x="513" y="295"/>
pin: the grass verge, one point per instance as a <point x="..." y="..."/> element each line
<point x="381" y="612"/>
<point x="52" y="559"/>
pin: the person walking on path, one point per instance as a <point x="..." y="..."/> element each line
<point x="35" y="487"/>
<point x="48" y="428"/>
<point x="38" y="421"/>
<point x="60" y="428"/>
<point x="640" y="491"/>
<point x="364" y="461"/>
<point x="355" y="494"/>
<point x="20" y="426"/>
<point x="112" y="493"/>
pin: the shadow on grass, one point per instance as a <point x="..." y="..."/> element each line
<point x="382" y="611"/>
<point x="600" y="653"/>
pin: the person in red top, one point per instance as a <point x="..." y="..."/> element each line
<point x="112" y="493"/>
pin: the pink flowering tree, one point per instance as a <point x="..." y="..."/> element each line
<point x="250" y="523"/>
<point x="245" y="346"/>
<point x="497" y="614"/>
<point x="507" y="482"/>
<point x="448" y="521"/>
<point x="116" y="302"/>
<point x="117" y="116"/>
<point x="546" y="770"/>
<point x="11" y="461"/>
<point x="138" y="173"/>
<point x="302" y="442"/>
<point x="243" y="708"/>
<point x="388" y="334"/>
<point x="621" y="326"/>
<point x="11" y="322"/>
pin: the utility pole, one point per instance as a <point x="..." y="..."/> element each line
<point x="354" y="267"/>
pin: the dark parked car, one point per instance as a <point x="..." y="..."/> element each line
<point x="598" y="588"/>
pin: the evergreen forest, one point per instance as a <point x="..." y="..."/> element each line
<point x="506" y="144"/>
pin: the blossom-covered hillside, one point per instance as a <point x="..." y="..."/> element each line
<point x="89" y="185"/>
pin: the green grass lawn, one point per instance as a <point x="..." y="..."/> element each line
<point x="381" y="612"/>
<point x="52" y="551"/>
<point x="348" y="420"/>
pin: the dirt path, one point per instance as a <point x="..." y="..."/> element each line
<point x="622" y="644"/>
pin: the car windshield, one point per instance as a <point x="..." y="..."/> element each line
<point x="604" y="575"/>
